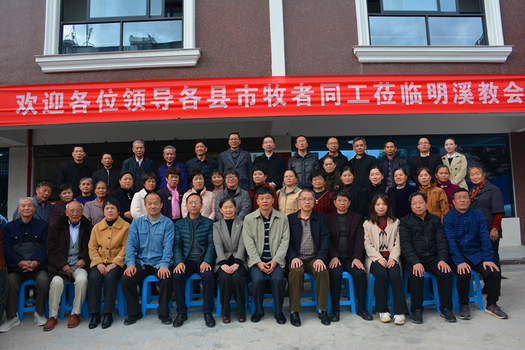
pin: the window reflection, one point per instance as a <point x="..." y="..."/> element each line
<point x="385" y="30"/>
<point x="152" y="35"/>
<point x="410" y="5"/>
<point x="456" y="31"/>
<point x="78" y="38"/>
<point x="117" y="8"/>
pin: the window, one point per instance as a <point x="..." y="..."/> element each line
<point x="115" y="25"/>
<point x="430" y="31"/>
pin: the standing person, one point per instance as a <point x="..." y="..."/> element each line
<point x="437" y="198"/>
<point x="149" y="251"/>
<point x="443" y="182"/>
<point x="65" y="193"/>
<point x="40" y="202"/>
<point x="202" y="162"/>
<point x="170" y="153"/>
<point x="424" y="247"/>
<point x="217" y="179"/>
<point x="456" y="163"/>
<point x="275" y="163"/>
<point x="171" y="195"/>
<point x="287" y="196"/>
<point x="333" y="177"/>
<point x="303" y="163"/>
<point x="266" y="235"/>
<point x="378" y="185"/>
<point x="333" y="149"/>
<point x="138" y="206"/>
<point x="347" y="253"/>
<point x="68" y="261"/>
<point x="193" y="252"/>
<point x="402" y="192"/>
<point x="260" y="174"/>
<point x="75" y="170"/>
<point x="488" y="199"/>
<point x="234" y="190"/>
<point x="230" y="264"/>
<point x="124" y="194"/>
<point x="24" y="247"/>
<point x="358" y="203"/>
<point x="93" y="210"/>
<point x="383" y="250"/>
<point x="108" y="173"/>
<point x="362" y="163"/>
<point x="308" y="252"/>
<point x="391" y="163"/>
<point x="107" y="251"/>
<point x="86" y="188"/>
<point x="323" y="198"/>
<point x="236" y="157"/>
<point x="425" y="159"/>
<point x="138" y="165"/>
<point x="208" y="199"/>
<point x="470" y="248"/>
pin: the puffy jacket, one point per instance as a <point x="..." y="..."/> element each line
<point x="422" y="238"/>
<point x="304" y="166"/>
<point x="320" y="235"/>
<point x="184" y="239"/>
<point x="397" y="162"/>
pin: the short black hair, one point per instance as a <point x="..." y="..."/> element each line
<point x="103" y="154"/>
<point x="125" y="173"/>
<point x="147" y="176"/>
<point x="203" y="141"/>
<point x="394" y="142"/>
<point x="218" y="172"/>
<point x="173" y="171"/>
<point x="359" y="138"/>
<point x="270" y="136"/>
<point x="64" y="187"/>
<point x="227" y="199"/>
<point x="193" y="194"/>
<point x="231" y="171"/>
<point x="319" y="172"/>
<point x="45" y="183"/>
<point x="150" y="193"/>
<point x="195" y="172"/>
<point x="342" y="193"/>
<point x="260" y="167"/>
<point x="415" y="194"/>
<point x="112" y="201"/>
<point x="234" y="133"/>
<point x="457" y="190"/>
<point x="264" y="190"/>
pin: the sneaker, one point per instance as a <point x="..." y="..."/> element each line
<point x="385" y="317"/>
<point x="40" y="320"/>
<point x="417" y="316"/>
<point x="399" y="319"/>
<point x="448" y="315"/>
<point x="8" y="324"/>
<point x="496" y="311"/>
<point x="464" y="312"/>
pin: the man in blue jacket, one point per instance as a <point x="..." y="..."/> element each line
<point x="194" y="252"/>
<point x="149" y="252"/>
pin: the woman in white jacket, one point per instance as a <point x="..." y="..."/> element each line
<point x="138" y="208"/>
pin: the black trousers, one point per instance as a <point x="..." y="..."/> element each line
<point x="336" y="277"/>
<point x="492" y="282"/>
<point x="15" y="279"/>
<point x="129" y="287"/>
<point x="179" y="287"/>
<point x="110" y="281"/>
<point x="235" y="284"/>
<point x="277" y="282"/>
<point x="382" y="276"/>
<point x="444" y="281"/>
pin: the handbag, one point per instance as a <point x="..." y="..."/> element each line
<point x="24" y="250"/>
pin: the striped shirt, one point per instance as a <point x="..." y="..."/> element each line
<point x="266" y="255"/>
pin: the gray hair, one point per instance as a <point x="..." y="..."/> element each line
<point x="82" y="205"/>
<point x="359" y="138"/>
<point x="85" y="178"/>
<point x="44" y="183"/>
<point x="21" y="199"/>
<point x="169" y="147"/>
<point x="139" y="141"/>
<point x="477" y="166"/>
<point x="102" y="182"/>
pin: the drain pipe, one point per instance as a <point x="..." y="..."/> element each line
<point x="29" y="160"/>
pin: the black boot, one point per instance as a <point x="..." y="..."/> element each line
<point x="95" y="320"/>
<point x="107" y="321"/>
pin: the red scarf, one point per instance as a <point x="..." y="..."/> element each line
<point x="476" y="189"/>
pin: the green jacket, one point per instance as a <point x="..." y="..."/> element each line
<point x="184" y="239"/>
<point x="334" y="182"/>
<point x="253" y="236"/>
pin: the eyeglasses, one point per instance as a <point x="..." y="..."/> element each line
<point x="424" y="143"/>
<point x="268" y="143"/>
<point x="462" y="198"/>
<point x="194" y="203"/>
<point x="307" y="199"/>
<point x="333" y="143"/>
<point x="235" y="139"/>
<point x="301" y="141"/>
<point x="341" y="200"/>
<point x="75" y="211"/>
<point x="231" y="177"/>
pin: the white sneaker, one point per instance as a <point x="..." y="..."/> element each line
<point x="8" y="324"/>
<point x="40" y="320"/>
<point x="399" y="319"/>
<point x="385" y="317"/>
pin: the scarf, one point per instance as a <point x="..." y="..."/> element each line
<point x="476" y="189"/>
<point x="175" y="207"/>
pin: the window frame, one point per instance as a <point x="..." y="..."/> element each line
<point x="53" y="62"/>
<point x="495" y="50"/>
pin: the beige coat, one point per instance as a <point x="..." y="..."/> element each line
<point x="108" y="244"/>
<point x="288" y="204"/>
<point x="253" y="237"/>
<point x="372" y="242"/>
<point x="138" y="208"/>
<point x="437" y="200"/>
<point x="208" y="204"/>
<point x="457" y="169"/>
<point x="227" y="245"/>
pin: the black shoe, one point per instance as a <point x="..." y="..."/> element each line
<point x="165" y="319"/>
<point x="210" y="321"/>
<point x="256" y="317"/>
<point x="107" y="320"/>
<point x="294" y="319"/>
<point x="417" y="317"/>
<point x="95" y="320"/>
<point x="131" y="319"/>
<point x="365" y="315"/>
<point x="464" y="312"/>
<point x="334" y="317"/>
<point x="448" y="315"/>
<point x="325" y="319"/>
<point x="179" y="320"/>
<point x="280" y="318"/>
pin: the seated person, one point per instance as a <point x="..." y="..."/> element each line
<point x="138" y="207"/>
<point x="470" y="248"/>
<point x="233" y="190"/>
<point x="86" y="188"/>
<point x="172" y="195"/>
<point x="324" y="202"/>
<point x="194" y="252"/>
<point x="260" y="173"/>
<point x="24" y="242"/>
<point x="424" y="247"/>
<point x="217" y="180"/>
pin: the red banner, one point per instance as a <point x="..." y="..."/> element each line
<point x="260" y="97"/>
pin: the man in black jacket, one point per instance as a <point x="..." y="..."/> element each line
<point x="202" y="162"/>
<point x="333" y="149"/>
<point x="303" y="162"/>
<point x="362" y="163"/>
<point x="424" y="159"/>
<point x="108" y="174"/>
<point x="391" y="163"/>
<point x="424" y="247"/>
<point x="308" y="252"/>
<point x="72" y="172"/>
<point x="275" y="163"/>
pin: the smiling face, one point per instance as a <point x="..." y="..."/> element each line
<point x="450" y="146"/>
<point x="400" y="178"/>
<point x="234" y="141"/>
<point x="329" y="165"/>
<point x="169" y="155"/>
<point x="380" y="207"/>
<point x="74" y="212"/>
<point x="258" y="177"/>
<point x="101" y="191"/>
<point x="268" y="145"/>
<point x="318" y="183"/>
<point x="138" y="149"/>
<point x="228" y="210"/>
<point x="217" y="180"/>
<point x="107" y="161"/>
<point x="419" y="205"/>
<point x="423" y="145"/>
<point x="150" y="184"/>
<point x="476" y="176"/>
<point x="200" y="149"/>
<point x="375" y="177"/>
<point x="424" y="178"/>
<point x="289" y="179"/>
<point x="342" y="204"/>
<point x="232" y="181"/>
<point x="153" y="204"/>
<point x="359" y="147"/>
<point x="78" y="154"/>
<point x="332" y="145"/>
<point x="172" y="180"/>
<point x="26" y="208"/>
<point x="347" y="177"/>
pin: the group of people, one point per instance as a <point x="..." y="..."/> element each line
<point x="233" y="220"/>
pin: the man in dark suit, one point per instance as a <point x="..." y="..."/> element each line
<point x="425" y="159"/>
<point x="109" y="174"/>
<point x="138" y="165"/>
<point x="72" y="172"/>
<point x="236" y="157"/>
<point x="391" y="163"/>
<point x="308" y="252"/>
<point x="275" y="163"/>
<point x="362" y="163"/>
<point x="42" y="207"/>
